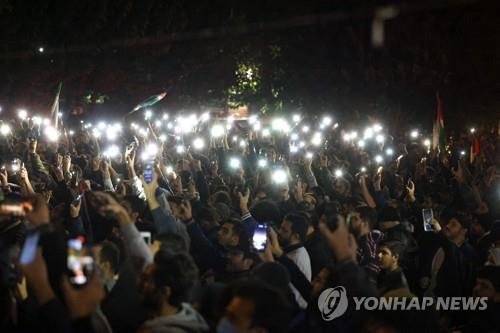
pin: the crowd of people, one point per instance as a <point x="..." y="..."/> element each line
<point x="244" y="233"/>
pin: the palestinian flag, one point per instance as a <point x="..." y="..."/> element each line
<point x="438" y="135"/>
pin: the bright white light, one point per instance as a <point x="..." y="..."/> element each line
<point x="37" y="120"/>
<point x="336" y="125"/>
<point x="302" y="144"/>
<point x="362" y="169"/>
<point x="353" y="135"/>
<point x="294" y="149"/>
<point x="243" y="143"/>
<point x="294" y="136"/>
<point x="169" y="169"/>
<point x="279" y="176"/>
<point x="472" y="130"/>
<point x="280" y="125"/>
<point x="51" y="133"/>
<point x="262" y="163"/>
<point x="309" y="155"/>
<point x="148" y="114"/>
<point x="187" y="124"/>
<point x="368" y="133"/>
<point x="133" y="125"/>
<point x="427" y="142"/>
<point x="198" y="143"/>
<point x="234" y="163"/>
<point x="60" y="114"/>
<point x="112" y="151"/>
<point x="252" y="119"/>
<point x="46" y="122"/>
<point x="157" y="123"/>
<point x="266" y="132"/>
<point x="361" y="143"/>
<point x="414" y="134"/>
<point x="101" y="126"/>
<point x="305" y="129"/>
<point x="347" y="137"/>
<point x="235" y="138"/>
<point x="462" y="153"/>
<point x="339" y="173"/>
<point x="316" y="139"/>
<point x="379" y="138"/>
<point x="41" y="49"/>
<point x="71" y="132"/>
<point x="205" y="117"/>
<point x="256" y="126"/>
<point x="377" y="128"/>
<point x="379" y="159"/>
<point x="5" y="129"/>
<point x="151" y="150"/>
<point x="22" y="114"/>
<point x="296" y="118"/>
<point x="217" y="131"/>
<point x="163" y="137"/>
<point x="165" y="116"/>
<point x="179" y="149"/>
<point x="389" y="152"/>
<point x="327" y="121"/>
<point x="170" y="125"/>
<point x="111" y="134"/>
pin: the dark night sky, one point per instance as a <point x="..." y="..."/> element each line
<point x="96" y="46"/>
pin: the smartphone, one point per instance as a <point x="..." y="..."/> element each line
<point x="146" y="235"/>
<point x="29" y="248"/>
<point x="259" y="238"/>
<point x="148" y="172"/>
<point x="427" y="216"/>
<point x="80" y="263"/>
<point x="77" y="200"/>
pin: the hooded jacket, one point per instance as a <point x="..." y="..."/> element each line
<point x="186" y="320"/>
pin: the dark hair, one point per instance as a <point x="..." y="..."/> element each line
<point x="177" y="271"/>
<point x="368" y="214"/>
<point x="266" y="211"/>
<point x="240" y="230"/>
<point x="172" y="241"/>
<point x="110" y="253"/>
<point x="397" y="248"/>
<point x="222" y="196"/>
<point x="266" y="300"/>
<point x="453" y="213"/>
<point x="137" y="205"/>
<point x="299" y="225"/>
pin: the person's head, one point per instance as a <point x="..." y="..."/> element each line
<point x="266" y="211"/>
<point x="165" y="284"/>
<point x="389" y="254"/>
<point x="388" y="218"/>
<point x="232" y="233"/>
<point x="293" y="229"/>
<point x="251" y="305"/>
<point x="457" y="226"/>
<point x="362" y="220"/>
<point x="207" y="218"/>
<point x="108" y="260"/>
<point x="169" y="241"/>
<point x="240" y="260"/>
<point x="134" y="206"/>
<point x="321" y="280"/>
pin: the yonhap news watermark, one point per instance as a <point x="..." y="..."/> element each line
<point x="333" y="303"/>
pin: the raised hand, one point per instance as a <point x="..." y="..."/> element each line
<point x="74" y="209"/>
<point x="244" y="197"/>
<point x="84" y="300"/>
<point x="410" y="188"/>
<point x="340" y="241"/>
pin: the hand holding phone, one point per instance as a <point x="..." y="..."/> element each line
<point x="148" y="172"/>
<point x="80" y="263"/>
<point x="427" y="217"/>
<point x="259" y="239"/>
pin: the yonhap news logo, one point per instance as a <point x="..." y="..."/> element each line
<point x="333" y="303"/>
